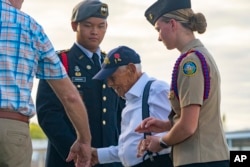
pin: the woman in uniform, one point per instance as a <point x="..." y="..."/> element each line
<point x="195" y="133"/>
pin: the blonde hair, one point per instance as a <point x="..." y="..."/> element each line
<point x="189" y="19"/>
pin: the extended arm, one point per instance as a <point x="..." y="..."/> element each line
<point x="77" y="113"/>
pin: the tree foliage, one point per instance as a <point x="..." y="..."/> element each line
<point x="36" y="131"/>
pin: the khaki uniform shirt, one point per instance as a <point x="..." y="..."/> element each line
<point x="208" y="142"/>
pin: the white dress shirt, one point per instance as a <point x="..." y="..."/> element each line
<point x="159" y="107"/>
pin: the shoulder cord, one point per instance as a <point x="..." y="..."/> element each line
<point x="65" y="63"/>
<point x="64" y="60"/>
<point x="145" y="114"/>
<point x="204" y="69"/>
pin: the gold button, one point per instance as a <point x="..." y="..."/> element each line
<point x="78" y="86"/>
<point x="104" y="86"/>
<point x="104" y="110"/>
<point x="104" y="98"/>
<point x="104" y="122"/>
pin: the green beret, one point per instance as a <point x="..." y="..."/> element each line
<point x="161" y="7"/>
<point x="89" y="8"/>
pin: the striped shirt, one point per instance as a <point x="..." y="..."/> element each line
<point x="25" y="52"/>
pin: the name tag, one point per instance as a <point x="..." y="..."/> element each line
<point x="78" y="79"/>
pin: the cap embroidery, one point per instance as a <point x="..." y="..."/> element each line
<point x="104" y="10"/>
<point x="106" y="60"/>
<point x="117" y="57"/>
<point x="151" y="16"/>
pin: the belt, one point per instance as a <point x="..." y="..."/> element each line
<point x="159" y="161"/>
<point x="12" y="114"/>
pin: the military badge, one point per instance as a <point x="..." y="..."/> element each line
<point x="104" y="10"/>
<point x="78" y="74"/>
<point x="77" y="71"/>
<point x="189" y="68"/>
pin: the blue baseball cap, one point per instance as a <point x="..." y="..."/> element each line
<point x="117" y="57"/>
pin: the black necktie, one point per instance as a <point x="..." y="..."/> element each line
<point x="95" y="59"/>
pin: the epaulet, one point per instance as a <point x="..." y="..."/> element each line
<point x="63" y="57"/>
<point x="59" y="52"/>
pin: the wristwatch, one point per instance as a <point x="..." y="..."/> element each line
<point x="162" y="143"/>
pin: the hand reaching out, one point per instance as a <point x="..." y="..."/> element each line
<point x="151" y="124"/>
<point x="80" y="153"/>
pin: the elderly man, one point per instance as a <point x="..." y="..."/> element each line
<point x="122" y="69"/>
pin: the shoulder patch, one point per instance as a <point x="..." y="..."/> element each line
<point x="189" y="68"/>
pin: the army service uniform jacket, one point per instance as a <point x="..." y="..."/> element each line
<point x="103" y="105"/>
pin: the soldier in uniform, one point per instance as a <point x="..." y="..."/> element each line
<point x="196" y="133"/>
<point x="82" y="61"/>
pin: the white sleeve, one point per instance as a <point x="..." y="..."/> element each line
<point x="159" y="104"/>
<point x="108" y="155"/>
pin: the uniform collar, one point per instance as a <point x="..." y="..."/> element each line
<point x="192" y="44"/>
<point x="88" y="53"/>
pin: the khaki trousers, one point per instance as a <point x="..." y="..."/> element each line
<point x="15" y="144"/>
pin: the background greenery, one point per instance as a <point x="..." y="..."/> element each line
<point x="36" y="131"/>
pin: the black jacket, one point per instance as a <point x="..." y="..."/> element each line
<point x="103" y="105"/>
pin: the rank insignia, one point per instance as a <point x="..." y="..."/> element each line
<point x="189" y="68"/>
<point x="80" y="57"/>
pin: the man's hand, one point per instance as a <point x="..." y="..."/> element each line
<point x="151" y="143"/>
<point x="80" y="153"/>
<point x="142" y="147"/>
<point x="94" y="158"/>
<point x="151" y="124"/>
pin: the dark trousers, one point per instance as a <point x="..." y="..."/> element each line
<point x="159" y="161"/>
<point x="209" y="164"/>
